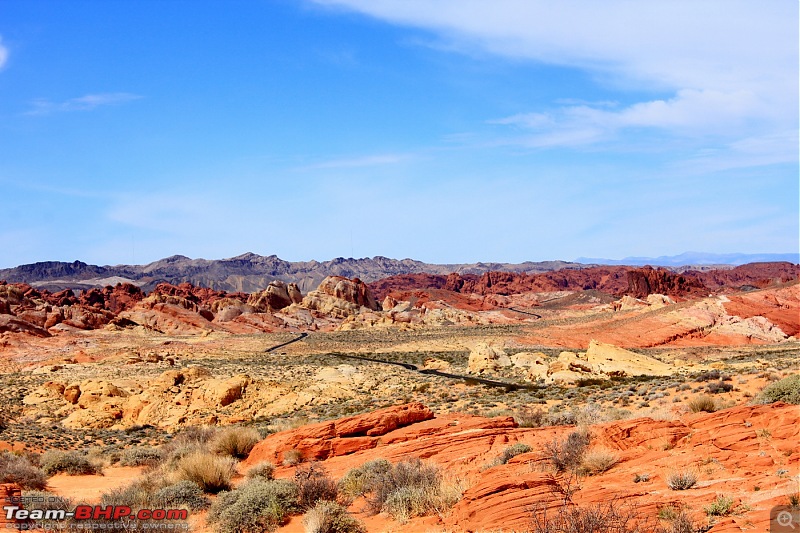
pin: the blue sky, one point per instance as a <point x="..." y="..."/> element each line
<point x="449" y="131"/>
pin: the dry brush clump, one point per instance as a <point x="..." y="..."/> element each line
<point x="567" y="454"/>
<point x="681" y="479"/>
<point x="21" y="470"/>
<point x="236" y="442"/>
<point x="702" y="404"/>
<point x="411" y="488"/>
<point x="263" y="470"/>
<point x="143" y="456"/>
<point x="330" y="517"/>
<point x="210" y="472"/>
<point x="71" y="463"/>
<point x="314" y="485"/>
<point x="598" y="460"/>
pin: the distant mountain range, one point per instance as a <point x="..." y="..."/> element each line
<point x="246" y="273"/>
<point x="692" y="259"/>
<point x="252" y="272"/>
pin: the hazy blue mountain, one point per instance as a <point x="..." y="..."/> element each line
<point x="695" y="258"/>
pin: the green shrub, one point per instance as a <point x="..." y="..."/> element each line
<point x="141" y="457"/>
<point x="210" y="472"/>
<point x="357" y="481"/>
<point x="182" y="494"/>
<point x="71" y="463"/>
<point x="20" y="470"/>
<point x="330" y="517"/>
<point x="236" y="442"/>
<point x="254" y="507"/>
<point x="786" y="390"/>
<point x="508" y="453"/>
<point x="721" y="506"/>
<point x="264" y="471"/>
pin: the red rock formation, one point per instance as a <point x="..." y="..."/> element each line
<point x="116" y="299"/>
<point x="756" y="274"/>
<point x="730" y="446"/>
<point x="403" y="282"/>
<point x="647" y="280"/>
<point x="339" y="437"/>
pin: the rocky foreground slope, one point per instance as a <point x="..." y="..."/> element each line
<point x="748" y="453"/>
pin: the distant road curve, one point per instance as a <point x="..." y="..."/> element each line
<point x="298" y="338"/>
<point x="524" y="312"/>
<point x="468" y="379"/>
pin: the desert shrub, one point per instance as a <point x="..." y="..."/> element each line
<point x="71" y="463"/>
<point x="210" y="472"/>
<point x="292" y="457"/>
<point x="406" y="474"/>
<point x="681" y="479"/>
<point x="20" y="470"/>
<point x="721" y="506"/>
<point x="702" y="403"/>
<point x="531" y="417"/>
<point x="330" y="517"/>
<point x="182" y="494"/>
<point x="357" y="481"/>
<point x="145" y="456"/>
<point x="611" y="517"/>
<point x="264" y="471"/>
<point x="711" y="375"/>
<point x="567" y="454"/>
<point x="561" y="417"/>
<point x="254" y="507"/>
<point x="508" y="453"/>
<point x="313" y="485"/>
<point x="717" y="387"/>
<point x="194" y="435"/>
<point x="598" y="460"/>
<point x="236" y="442"/>
<point x="786" y="390"/>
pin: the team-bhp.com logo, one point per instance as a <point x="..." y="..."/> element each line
<point x="96" y="517"/>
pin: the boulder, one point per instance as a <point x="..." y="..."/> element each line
<point x="340" y="297"/>
<point x="614" y="361"/>
<point x="484" y="358"/>
<point x="275" y="297"/>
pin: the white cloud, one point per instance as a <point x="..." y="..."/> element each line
<point x="678" y="43"/>
<point x="83" y="103"/>
<point x="3" y="53"/>
<point x="358" y="162"/>
<point x="730" y="65"/>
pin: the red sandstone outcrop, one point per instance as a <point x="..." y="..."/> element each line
<point x="404" y="282"/>
<point x="645" y="281"/>
<point x="755" y="274"/>
<point x="732" y="451"/>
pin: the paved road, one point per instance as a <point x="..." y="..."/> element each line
<point x="468" y="379"/>
<point x="298" y="338"/>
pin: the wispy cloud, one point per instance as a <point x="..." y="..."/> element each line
<point x="729" y="66"/>
<point x="3" y="54"/>
<point x="690" y="114"/>
<point x="358" y="162"/>
<point x="88" y="102"/>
